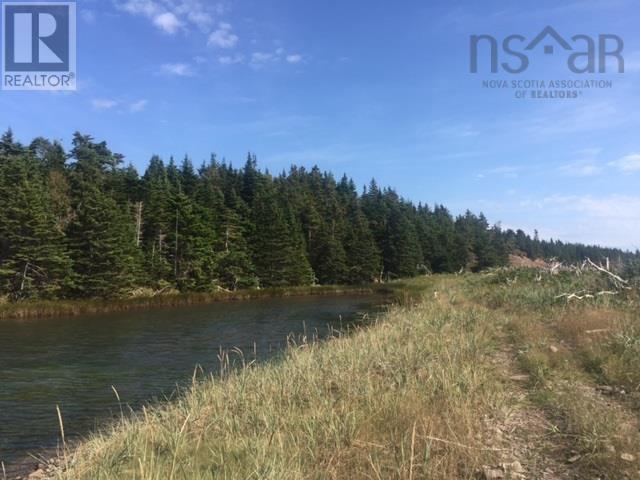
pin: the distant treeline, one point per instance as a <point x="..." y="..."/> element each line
<point x="81" y="224"/>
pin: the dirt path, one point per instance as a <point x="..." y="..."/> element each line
<point x="559" y="423"/>
<point x="524" y="431"/>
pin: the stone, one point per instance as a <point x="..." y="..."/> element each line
<point x="492" y="473"/>
<point x="554" y="349"/>
<point x="513" y="467"/>
<point x="39" y="474"/>
<point x="627" y="457"/>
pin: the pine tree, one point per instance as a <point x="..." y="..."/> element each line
<point x="363" y="260"/>
<point x="102" y="246"/>
<point x="33" y="257"/>
<point x="278" y="249"/>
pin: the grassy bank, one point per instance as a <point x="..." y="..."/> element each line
<point x="60" y="308"/>
<point x="477" y="376"/>
<point x="369" y="405"/>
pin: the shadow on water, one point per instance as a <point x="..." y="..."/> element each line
<point x="76" y="363"/>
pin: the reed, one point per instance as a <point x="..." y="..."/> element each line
<point x="398" y="399"/>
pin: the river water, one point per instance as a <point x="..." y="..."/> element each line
<point x="76" y="363"/>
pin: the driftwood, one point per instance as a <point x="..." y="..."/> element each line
<point x="604" y="270"/>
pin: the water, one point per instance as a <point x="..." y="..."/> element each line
<point x="74" y="362"/>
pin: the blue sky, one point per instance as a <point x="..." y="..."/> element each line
<point x="373" y="89"/>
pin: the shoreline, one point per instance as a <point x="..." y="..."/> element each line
<point x="30" y="310"/>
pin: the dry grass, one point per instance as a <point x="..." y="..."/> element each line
<point x="568" y="349"/>
<point x="411" y="396"/>
<point x="401" y="399"/>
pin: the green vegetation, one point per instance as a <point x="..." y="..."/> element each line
<point x="74" y="307"/>
<point x="82" y="225"/>
<point x="473" y="374"/>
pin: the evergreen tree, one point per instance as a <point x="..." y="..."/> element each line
<point x="85" y="225"/>
<point x="278" y="250"/>
<point x="363" y="260"/>
<point x="102" y="244"/>
<point x="33" y="257"/>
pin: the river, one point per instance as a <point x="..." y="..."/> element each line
<point x="76" y="363"/>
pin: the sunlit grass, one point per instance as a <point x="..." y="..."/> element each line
<point x="400" y="399"/>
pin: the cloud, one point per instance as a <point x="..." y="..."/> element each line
<point x="585" y="165"/>
<point x="170" y="16"/>
<point x="629" y="163"/>
<point x="167" y="22"/>
<point x="506" y="171"/>
<point x="610" y="220"/>
<point x="581" y="169"/>
<point x="231" y="60"/>
<point x="88" y="16"/>
<point x="259" y="59"/>
<point x="177" y="69"/>
<point x="223" y="37"/>
<point x="104" y="103"/>
<point x="138" y="106"/>
<point x="294" y="58"/>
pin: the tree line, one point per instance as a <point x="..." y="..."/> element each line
<point x="82" y="224"/>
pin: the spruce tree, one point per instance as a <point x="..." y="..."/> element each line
<point x="34" y="261"/>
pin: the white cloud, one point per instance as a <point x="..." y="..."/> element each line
<point x="88" y="16"/>
<point x="581" y="169"/>
<point x="140" y="7"/>
<point x="104" y="103"/>
<point x="201" y="19"/>
<point x="231" y="60"/>
<point x="167" y="22"/>
<point x="629" y="163"/>
<point x="609" y="220"/>
<point x="177" y="69"/>
<point x="294" y="58"/>
<point x="138" y="106"/>
<point x="172" y="15"/>
<point x="506" y="171"/>
<point x="223" y="37"/>
<point x="258" y="59"/>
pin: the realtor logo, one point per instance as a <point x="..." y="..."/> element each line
<point x="39" y="46"/>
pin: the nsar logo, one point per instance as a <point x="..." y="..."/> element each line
<point x="39" y="46"/>
<point x="586" y="54"/>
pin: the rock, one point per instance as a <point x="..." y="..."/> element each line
<point x="605" y="389"/>
<point x="627" y="457"/>
<point x="513" y="467"/>
<point x="574" y="459"/>
<point x="492" y="473"/>
<point x="553" y="349"/>
<point x="39" y="474"/>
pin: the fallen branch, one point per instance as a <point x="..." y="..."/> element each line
<point x="604" y="270"/>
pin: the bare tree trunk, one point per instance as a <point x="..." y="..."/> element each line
<point x="175" y="253"/>
<point x="139" y="223"/>
<point x="24" y="276"/>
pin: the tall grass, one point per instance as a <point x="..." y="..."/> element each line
<point x="400" y="399"/>
<point x="59" y="308"/>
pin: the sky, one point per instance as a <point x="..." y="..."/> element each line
<point x="371" y="89"/>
